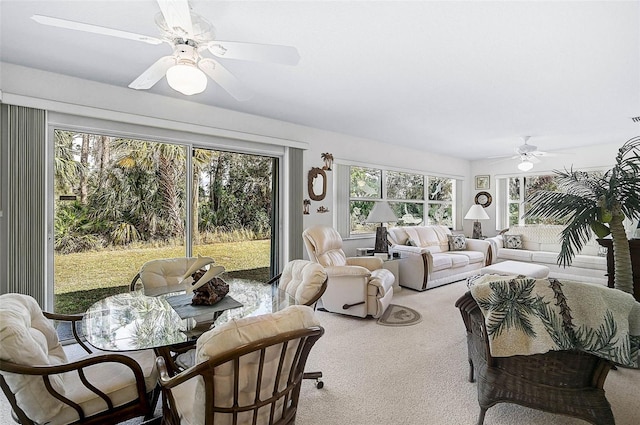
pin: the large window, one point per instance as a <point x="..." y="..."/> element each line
<point x="415" y="198"/>
<point x="514" y="190"/>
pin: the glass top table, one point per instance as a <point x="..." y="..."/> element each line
<point x="135" y="321"/>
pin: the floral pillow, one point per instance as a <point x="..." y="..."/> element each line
<point x="512" y="241"/>
<point x="457" y="242"/>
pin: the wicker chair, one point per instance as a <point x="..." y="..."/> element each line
<point x="563" y="382"/>
<point x="43" y="386"/>
<point x="305" y="281"/>
<point x="249" y="371"/>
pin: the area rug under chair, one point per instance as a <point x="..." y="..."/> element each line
<point x="397" y="315"/>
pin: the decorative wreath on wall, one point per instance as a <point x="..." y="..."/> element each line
<point x="483" y="198"/>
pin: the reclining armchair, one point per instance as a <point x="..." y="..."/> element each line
<point x="357" y="286"/>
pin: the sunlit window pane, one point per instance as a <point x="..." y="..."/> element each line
<point x="440" y="189"/>
<point x="405" y="185"/>
<point x="366" y="183"/>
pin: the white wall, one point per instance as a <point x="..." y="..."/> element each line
<point x="54" y="92"/>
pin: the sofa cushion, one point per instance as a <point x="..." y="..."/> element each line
<point x="544" y="257"/>
<point x="441" y="261"/>
<point x="514" y="254"/>
<point x="458" y="260"/>
<point x="434" y="237"/>
<point x="512" y="241"/>
<point x="590" y="262"/>
<point x="473" y="256"/>
<point x="457" y="242"/>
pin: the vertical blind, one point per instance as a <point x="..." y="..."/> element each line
<point x="296" y="190"/>
<point x="24" y="205"/>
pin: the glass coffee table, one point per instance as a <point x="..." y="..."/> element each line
<point x="135" y="321"/>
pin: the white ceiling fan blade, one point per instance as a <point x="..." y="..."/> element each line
<point x="225" y="79"/>
<point x="153" y="74"/>
<point x="177" y="15"/>
<point x="79" y="26"/>
<point x="285" y="55"/>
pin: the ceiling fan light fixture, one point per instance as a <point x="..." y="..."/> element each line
<point x="186" y="78"/>
<point x="525" y="165"/>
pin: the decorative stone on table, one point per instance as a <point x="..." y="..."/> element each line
<point x="210" y="292"/>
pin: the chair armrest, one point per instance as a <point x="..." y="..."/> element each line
<point x="347" y="271"/>
<point x="78" y="367"/>
<point x="409" y="249"/>
<point x="73" y="318"/>
<point x="496" y="243"/>
<point x="483" y="246"/>
<point x="370" y="263"/>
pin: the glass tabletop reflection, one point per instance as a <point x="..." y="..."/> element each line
<point x="135" y="321"/>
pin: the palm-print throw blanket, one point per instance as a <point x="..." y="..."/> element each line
<point x="529" y="316"/>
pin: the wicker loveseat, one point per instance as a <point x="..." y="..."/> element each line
<point x="563" y="382"/>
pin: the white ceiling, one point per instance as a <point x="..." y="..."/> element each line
<point x="460" y="78"/>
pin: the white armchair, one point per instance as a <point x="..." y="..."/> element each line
<point x="357" y="286"/>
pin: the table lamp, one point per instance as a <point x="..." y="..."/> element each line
<point x="477" y="212"/>
<point x="381" y="213"/>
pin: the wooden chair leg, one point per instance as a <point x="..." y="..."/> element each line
<point x="483" y="411"/>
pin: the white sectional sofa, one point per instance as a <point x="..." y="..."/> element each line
<point x="540" y="244"/>
<point x="427" y="260"/>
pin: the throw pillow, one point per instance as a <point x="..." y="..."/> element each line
<point x="512" y="241"/>
<point x="457" y="242"/>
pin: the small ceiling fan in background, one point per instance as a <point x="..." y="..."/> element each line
<point x="190" y="35"/>
<point x="527" y="154"/>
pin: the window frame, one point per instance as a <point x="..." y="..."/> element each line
<point x="344" y="217"/>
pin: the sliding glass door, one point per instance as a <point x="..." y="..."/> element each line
<point x="232" y="210"/>
<point x="120" y="202"/>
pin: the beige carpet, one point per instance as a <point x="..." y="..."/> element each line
<point x="415" y="375"/>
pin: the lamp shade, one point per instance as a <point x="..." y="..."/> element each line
<point x="381" y="213"/>
<point x="187" y="79"/>
<point x="476" y="212"/>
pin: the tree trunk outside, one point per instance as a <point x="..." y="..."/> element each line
<point x="84" y="160"/>
<point x="195" y="205"/>
<point x="621" y="255"/>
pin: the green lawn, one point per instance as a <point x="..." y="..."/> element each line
<point x="83" y="278"/>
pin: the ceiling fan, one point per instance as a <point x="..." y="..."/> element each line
<point x="528" y="155"/>
<point x="190" y="35"/>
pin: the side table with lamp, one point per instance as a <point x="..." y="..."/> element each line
<point x="477" y="213"/>
<point x="382" y="213"/>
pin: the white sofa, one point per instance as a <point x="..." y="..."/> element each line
<point x="541" y="245"/>
<point x="426" y="260"/>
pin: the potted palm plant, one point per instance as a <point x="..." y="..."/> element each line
<point x="598" y="204"/>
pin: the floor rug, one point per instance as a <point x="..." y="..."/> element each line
<point x="397" y="315"/>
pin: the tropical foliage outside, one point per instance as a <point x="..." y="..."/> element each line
<point x="118" y="197"/>
<point x="406" y="195"/>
